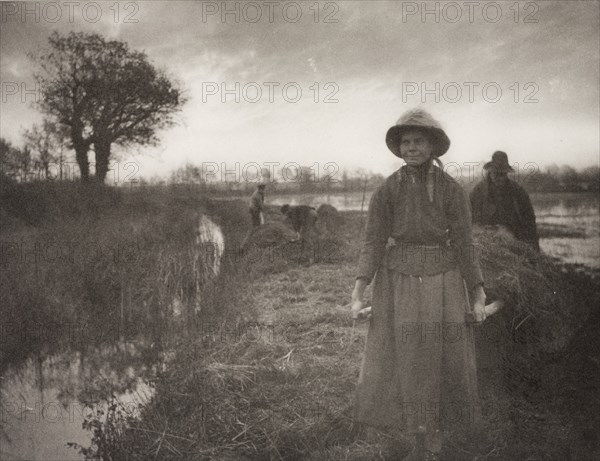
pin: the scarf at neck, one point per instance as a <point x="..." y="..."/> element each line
<point x="422" y="174"/>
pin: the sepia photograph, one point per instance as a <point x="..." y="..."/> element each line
<point x="311" y="230"/>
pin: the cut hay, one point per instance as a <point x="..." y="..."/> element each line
<point x="270" y="234"/>
<point x="273" y="406"/>
<point x="330" y="219"/>
<point x="543" y="307"/>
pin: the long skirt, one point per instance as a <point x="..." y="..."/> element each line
<point x="419" y="364"/>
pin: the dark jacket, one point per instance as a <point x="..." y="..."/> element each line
<point x="507" y="205"/>
<point x="403" y="210"/>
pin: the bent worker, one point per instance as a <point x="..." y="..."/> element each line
<point x="498" y="200"/>
<point x="257" y="204"/>
<point x="302" y="218"/>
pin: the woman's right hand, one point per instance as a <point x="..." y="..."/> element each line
<point x="356" y="306"/>
<point x="357" y="302"/>
<point x="479" y="303"/>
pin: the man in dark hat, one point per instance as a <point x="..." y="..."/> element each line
<point x="498" y="200"/>
<point x="257" y="203"/>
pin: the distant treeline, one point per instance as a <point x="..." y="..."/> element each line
<point x="33" y="162"/>
<point x="551" y="179"/>
<point x="564" y="179"/>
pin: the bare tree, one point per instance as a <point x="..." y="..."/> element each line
<point x="106" y="94"/>
<point x="187" y="174"/>
<point x="47" y="142"/>
<point x="24" y="163"/>
<point x="15" y="163"/>
<point x="8" y="159"/>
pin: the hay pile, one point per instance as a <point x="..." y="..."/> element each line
<point x="270" y="234"/>
<point x="326" y="210"/>
<point x="277" y="242"/>
<point x="544" y="308"/>
<point x="273" y="214"/>
<point x="329" y="220"/>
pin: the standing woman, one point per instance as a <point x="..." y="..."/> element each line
<point x="419" y="369"/>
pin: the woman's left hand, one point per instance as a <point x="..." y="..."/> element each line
<point x="479" y="303"/>
<point x="479" y="311"/>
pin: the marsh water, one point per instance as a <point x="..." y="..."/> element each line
<point x="45" y="401"/>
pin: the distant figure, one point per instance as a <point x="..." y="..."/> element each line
<point x="498" y="200"/>
<point x="302" y="218"/>
<point x="257" y="203"/>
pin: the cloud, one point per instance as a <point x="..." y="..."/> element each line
<point x="364" y="60"/>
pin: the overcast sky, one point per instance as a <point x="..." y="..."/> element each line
<point x="370" y="59"/>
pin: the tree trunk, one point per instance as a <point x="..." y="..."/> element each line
<point x="60" y="165"/>
<point x="46" y="165"/>
<point x="82" y="160"/>
<point x="102" y="158"/>
<point x="81" y="146"/>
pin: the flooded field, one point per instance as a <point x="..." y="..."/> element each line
<point x="569" y="226"/>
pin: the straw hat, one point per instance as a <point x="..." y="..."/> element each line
<point x="417" y="118"/>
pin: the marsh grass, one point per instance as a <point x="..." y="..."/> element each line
<point x="267" y="364"/>
<point x="84" y="265"/>
<point x="283" y="389"/>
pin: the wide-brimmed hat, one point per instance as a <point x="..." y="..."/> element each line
<point x="417" y="118"/>
<point x="499" y="163"/>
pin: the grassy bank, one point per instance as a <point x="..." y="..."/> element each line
<point x="84" y="265"/>
<point x="271" y="374"/>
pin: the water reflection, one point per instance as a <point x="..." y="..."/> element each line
<point x="45" y="401"/>
<point x="351" y="201"/>
<point x="569" y="226"/>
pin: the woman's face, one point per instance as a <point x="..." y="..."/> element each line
<point x="415" y="148"/>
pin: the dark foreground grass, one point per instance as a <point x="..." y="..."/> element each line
<point x="271" y="373"/>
